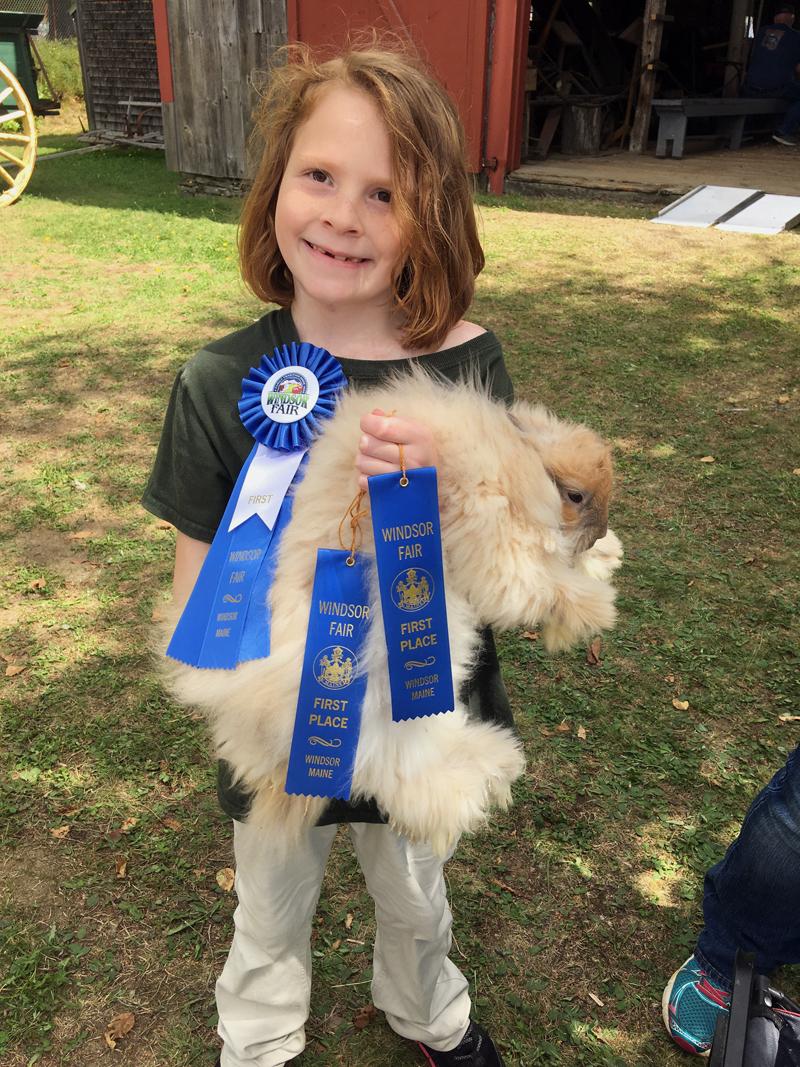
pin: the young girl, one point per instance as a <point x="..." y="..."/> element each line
<point x="360" y="226"/>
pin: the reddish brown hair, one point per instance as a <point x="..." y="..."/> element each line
<point x="441" y="255"/>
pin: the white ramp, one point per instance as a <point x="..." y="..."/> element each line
<point x="770" y="214"/>
<point x="708" y="205"/>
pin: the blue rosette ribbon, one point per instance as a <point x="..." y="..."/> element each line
<point x="293" y="359"/>
<point x="284" y="404"/>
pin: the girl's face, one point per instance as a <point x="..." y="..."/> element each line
<point x="334" y="221"/>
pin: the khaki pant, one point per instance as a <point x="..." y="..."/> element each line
<point x="264" y="990"/>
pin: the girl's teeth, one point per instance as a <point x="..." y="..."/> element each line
<point x="343" y="259"/>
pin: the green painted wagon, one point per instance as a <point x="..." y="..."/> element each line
<point x="20" y="102"/>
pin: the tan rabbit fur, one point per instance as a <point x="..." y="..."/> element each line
<point x="517" y="552"/>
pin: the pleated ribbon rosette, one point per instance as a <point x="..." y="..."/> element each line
<point x="284" y="403"/>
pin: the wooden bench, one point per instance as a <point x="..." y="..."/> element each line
<point x="730" y="113"/>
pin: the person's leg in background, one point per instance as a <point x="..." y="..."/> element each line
<point x="751" y="900"/>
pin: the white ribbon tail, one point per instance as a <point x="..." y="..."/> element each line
<point x="265" y="485"/>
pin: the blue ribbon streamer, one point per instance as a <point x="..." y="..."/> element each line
<point x="332" y="685"/>
<point x="411" y="582"/>
<point x="226" y="620"/>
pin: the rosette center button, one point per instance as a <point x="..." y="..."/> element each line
<point x="290" y="394"/>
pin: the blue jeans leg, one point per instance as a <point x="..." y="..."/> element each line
<point x="791" y="120"/>
<point x="752" y="896"/>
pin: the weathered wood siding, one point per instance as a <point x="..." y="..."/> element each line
<point x="216" y="46"/>
<point x="117" y="45"/>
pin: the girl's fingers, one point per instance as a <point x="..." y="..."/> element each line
<point x="379" y="447"/>
<point x="394" y="428"/>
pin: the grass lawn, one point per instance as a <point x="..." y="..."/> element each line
<point x="572" y="909"/>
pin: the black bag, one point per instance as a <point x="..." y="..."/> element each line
<point x="763" y="1028"/>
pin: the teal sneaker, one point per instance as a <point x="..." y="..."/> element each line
<point x="690" y="1006"/>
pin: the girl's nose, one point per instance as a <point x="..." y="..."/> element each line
<point x="340" y="212"/>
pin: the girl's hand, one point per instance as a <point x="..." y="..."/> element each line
<point x="378" y="451"/>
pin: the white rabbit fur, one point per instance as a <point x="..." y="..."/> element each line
<point x="509" y="560"/>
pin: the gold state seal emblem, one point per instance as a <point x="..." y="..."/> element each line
<point x="412" y="589"/>
<point x="336" y="667"/>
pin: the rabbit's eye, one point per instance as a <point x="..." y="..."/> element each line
<point x="576" y="498"/>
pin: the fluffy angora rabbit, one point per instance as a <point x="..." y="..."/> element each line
<point x="523" y="498"/>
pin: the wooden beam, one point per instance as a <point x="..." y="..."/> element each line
<point x="651" y="48"/>
<point x="539" y="48"/>
<point x="737" y="47"/>
<point x="506" y="89"/>
<point x="88" y="92"/>
<point x="163" y="52"/>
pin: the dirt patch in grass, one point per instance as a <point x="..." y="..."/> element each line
<point x="54" y="550"/>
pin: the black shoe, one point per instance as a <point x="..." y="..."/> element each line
<point x="790" y="139"/>
<point x="476" y="1049"/>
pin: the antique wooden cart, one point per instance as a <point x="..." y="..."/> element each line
<point x="20" y="102"/>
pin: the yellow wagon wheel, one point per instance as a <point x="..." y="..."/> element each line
<point x="17" y="147"/>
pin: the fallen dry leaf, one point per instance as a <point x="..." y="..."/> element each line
<point x="69" y="809"/>
<point x="788" y="718"/>
<point x="707" y="459"/>
<point x="128" y="824"/>
<point x="121" y="867"/>
<point x="681" y="705"/>
<point x="225" y="879"/>
<point x="582" y="733"/>
<point x="597" y="1000"/>
<point x="15" y="668"/>
<point x="336" y="943"/>
<point x="783" y="399"/>
<point x="593" y="651"/>
<point x="348" y="921"/>
<point x="691" y="583"/>
<point x="162" y="524"/>
<point x="157" y="616"/>
<point x="37" y="583"/>
<point x="670" y="678"/>
<point x="79" y="535"/>
<point x="563" y="728"/>
<point x="65" y="363"/>
<point x="796" y="470"/>
<point x="118" y="1027"/>
<point x="749" y="559"/>
<point x="172" y="824"/>
<point x="546" y="732"/>
<point x="365" y="1017"/>
<point x="531" y="635"/>
<point x="559" y="675"/>
<point x="60" y="832"/>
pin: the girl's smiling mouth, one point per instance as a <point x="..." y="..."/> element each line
<point x="333" y="255"/>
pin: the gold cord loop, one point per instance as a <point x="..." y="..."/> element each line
<point x="355" y="515"/>
<point x="404" y="479"/>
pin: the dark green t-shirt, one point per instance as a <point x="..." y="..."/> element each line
<point x="204" y="446"/>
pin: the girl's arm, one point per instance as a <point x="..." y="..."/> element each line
<point x="378" y="451"/>
<point x="189" y="556"/>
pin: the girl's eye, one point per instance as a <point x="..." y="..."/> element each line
<point x="384" y="196"/>
<point x="318" y="175"/>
